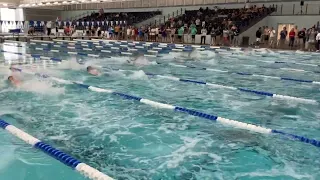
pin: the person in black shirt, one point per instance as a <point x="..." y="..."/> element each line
<point x="236" y="32"/>
<point x="302" y="38"/>
<point x="258" y="36"/>
<point x="218" y="35"/>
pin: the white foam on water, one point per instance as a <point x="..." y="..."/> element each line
<point x="185" y="151"/>
<point x="71" y="64"/>
<point x="113" y="138"/>
<point x="287" y="170"/>
<point x="41" y="87"/>
<point x="141" y="61"/>
<point x="138" y="75"/>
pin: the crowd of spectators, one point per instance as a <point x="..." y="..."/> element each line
<point x="303" y="39"/>
<point x="223" y="25"/>
<point x="129" y="17"/>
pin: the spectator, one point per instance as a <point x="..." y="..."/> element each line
<point x="296" y="39"/>
<point x="283" y="36"/>
<point x="128" y="32"/>
<point x="302" y="38"/>
<point x="153" y="34"/>
<point x="99" y="32"/>
<point x="311" y="39"/>
<point x="292" y="36"/>
<point x="266" y="34"/>
<point x="203" y="35"/>
<point x="172" y="33"/>
<point x="180" y="34"/>
<point x="218" y="36"/>
<point x="164" y="34"/>
<point x="272" y="34"/>
<point x="146" y="34"/>
<point x="318" y="41"/>
<point x="49" y="26"/>
<point x="225" y="34"/>
<point x="117" y="31"/>
<point x="258" y="36"/>
<point x="236" y="32"/>
<point x="157" y="34"/>
<point x="198" y="22"/>
<point x="93" y="31"/>
<point x="140" y="34"/>
<point x="193" y="33"/>
<point x="213" y="36"/>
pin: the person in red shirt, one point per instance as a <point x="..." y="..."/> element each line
<point x="292" y="35"/>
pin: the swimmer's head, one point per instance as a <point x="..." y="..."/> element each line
<point x="10" y="78"/>
<point x="89" y="68"/>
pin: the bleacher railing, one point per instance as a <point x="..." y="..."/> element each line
<point x="166" y="18"/>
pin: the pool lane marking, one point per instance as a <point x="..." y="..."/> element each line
<point x="263" y="93"/>
<point x="66" y="159"/>
<point x="225" y="121"/>
<point x="286" y="69"/>
<point x="199" y="68"/>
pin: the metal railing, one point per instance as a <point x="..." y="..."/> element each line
<point x="166" y="18"/>
<point x="297" y="9"/>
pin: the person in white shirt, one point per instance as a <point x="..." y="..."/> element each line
<point x="128" y="33"/>
<point x="198" y="22"/>
<point x="203" y="35"/>
<point x="49" y="25"/>
<point x="318" y="41"/>
<point x="153" y="34"/>
<point x="272" y="34"/>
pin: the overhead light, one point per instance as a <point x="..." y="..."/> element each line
<point x="56" y="3"/>
<point x="48" y="4"/>
<point x="4" y="4"/>
<point x="33" y="4"/>
<point x="94" y="0"/>
<point x="73" y="2"/>
<point x="65" y="2"/>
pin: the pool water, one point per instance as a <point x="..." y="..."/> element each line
<point x="129" y="140"/>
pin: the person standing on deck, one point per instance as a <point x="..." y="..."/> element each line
<point x="292" y="35"/>
<point x="283" y="36"/>
<point x="258" y="36"/>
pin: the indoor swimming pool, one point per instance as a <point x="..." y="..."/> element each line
<point x="161" y="111"/>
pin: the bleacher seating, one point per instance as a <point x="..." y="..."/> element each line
<point x="130" y="17"/>
<point x="242" y="18"/>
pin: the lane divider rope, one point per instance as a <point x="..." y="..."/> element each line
<point x="263" y="93"/>
<point x="66" y="159"/>
<point x="225" y="121"/>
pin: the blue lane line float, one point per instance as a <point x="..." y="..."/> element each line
<point x="263" y="93"/>
<point x="164" y="45"/>
<point x="208" y="69"/>
<point x="66" y="159"/>
<point x="225" y="121"/>
<point x="126" y="52"/>
<point x="248" y="74"/>
<point x="34" y="56"/>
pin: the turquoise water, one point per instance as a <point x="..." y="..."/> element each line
<point x="130" y="140"/>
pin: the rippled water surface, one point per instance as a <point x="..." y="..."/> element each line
<point x="129" y="140"/>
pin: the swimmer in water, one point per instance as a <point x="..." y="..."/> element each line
<point x="93" y="71"/>
<point x="14" y="81"/>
